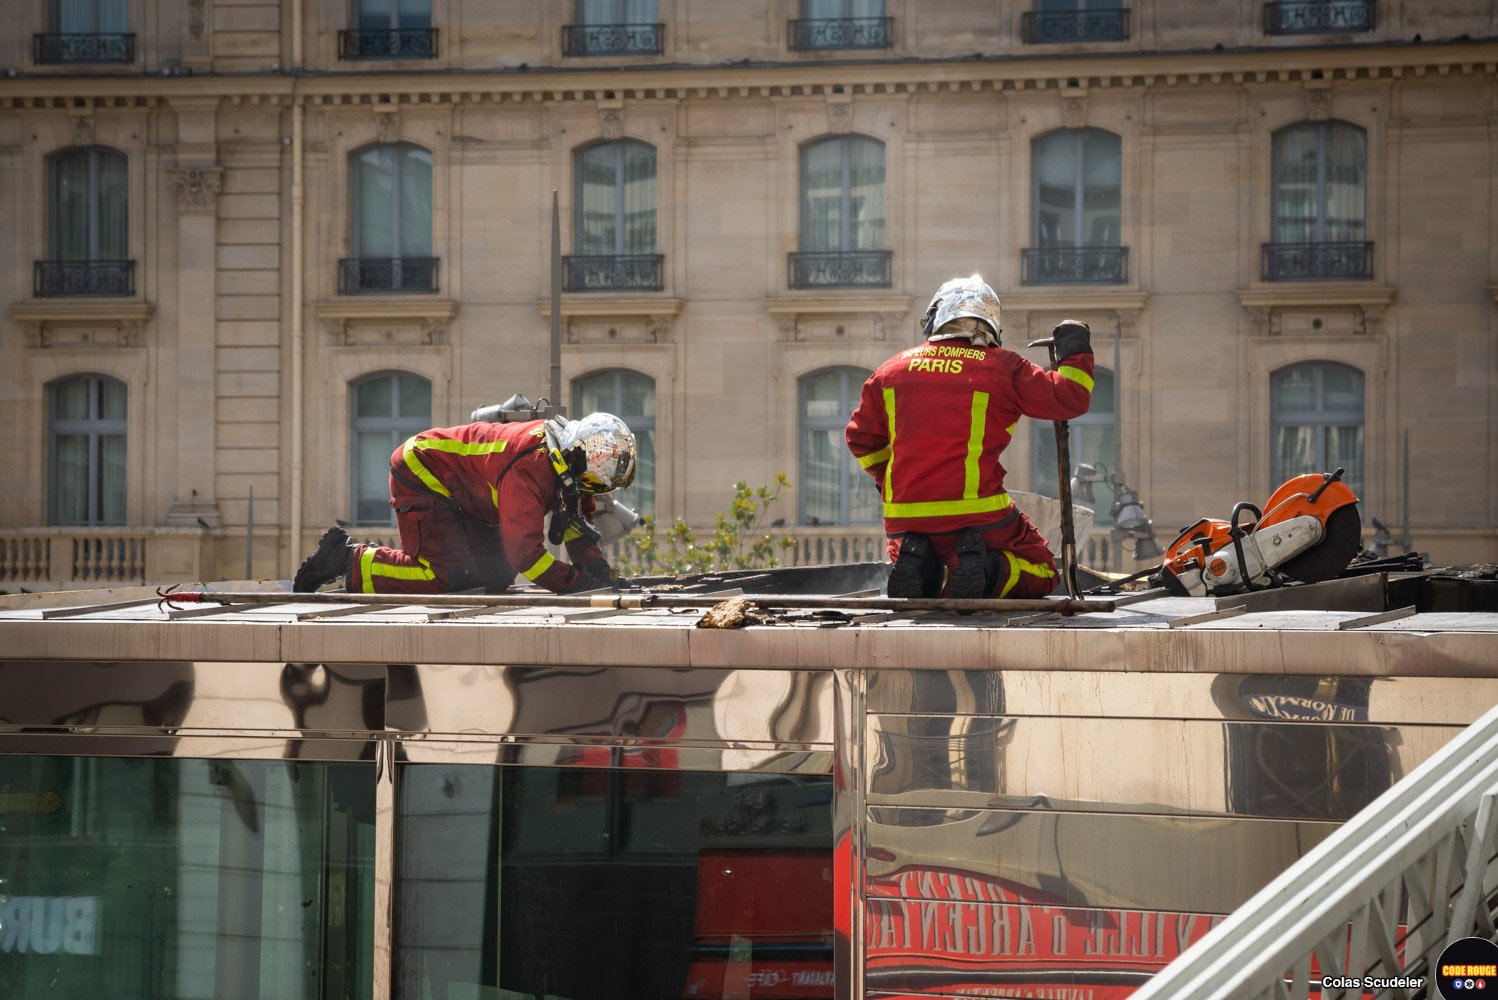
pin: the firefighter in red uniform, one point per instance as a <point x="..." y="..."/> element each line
<point x="930" y="426"/>
<point x="470" y="503"/>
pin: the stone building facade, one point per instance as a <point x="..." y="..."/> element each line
<point x="246" y="244"/>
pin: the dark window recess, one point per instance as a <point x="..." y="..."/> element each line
<point x="840" y="33"/>
<point x="1074" y="266"/>
<point x="640" y="272"/>
<point x="83" y="48"/>
<point x="1041" y="27"/>
<point x="1319" y="17"/>
<point x="841" y="269"/>
<point x="388" y="43"/>
<point x="58" y="278"/>
<point x="1318" y="261"/>
<point x="613" y="39"/>
<point x="365" y="275"/>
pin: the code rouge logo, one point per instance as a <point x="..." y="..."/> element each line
<point x="1468" y="968"/>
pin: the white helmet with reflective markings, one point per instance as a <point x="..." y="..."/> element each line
<point x="963" y="309"/>
<point x="596" y="454"/>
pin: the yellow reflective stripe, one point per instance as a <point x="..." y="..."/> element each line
<point x="573" y="533"/>
<point x="1010" y="429"/>
<point x="494" y="493"/>
<point x="365" y="562"/>
<point x="422" y="572"/>
<point x="421" y="471"/>
<point x="1076" y="375"/>
<point x="1018" y="566"/>
<point x="1013" y="575"/>
<point x="975" y="445"/>
<point x="874" y="458"/>
<point x="541" y="566"/>
<point x="889" y="468"/>
<point x="460" y="447"/>
<point x="946" y="508"/>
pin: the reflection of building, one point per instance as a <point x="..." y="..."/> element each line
<point x="249" y="244"/>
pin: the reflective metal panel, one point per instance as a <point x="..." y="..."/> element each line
<point x="1269" y="770"/>
<point x="665" y="757"/>
<point x="1447" y="701"/>
<point x="1088" y="859"/>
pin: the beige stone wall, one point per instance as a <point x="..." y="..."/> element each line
<point x="205" y="346"/>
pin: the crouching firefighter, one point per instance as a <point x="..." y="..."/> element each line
<point x="930" y="426"/>
<point x="471" y="503"/>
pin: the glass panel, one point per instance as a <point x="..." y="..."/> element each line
<point x="111" y="479"/>
<point x="822" y="196"/>
<point x="1102" y="187"/>
<point x="640" y="497"/>
<point x="1344" y="449"/>
<point x="1294" y="452"/>
<point x="111" y="399"/>
<point x="1295" y="180"/>
<point x="598" y="190"/>
<point x="822" y="397"/>
<point x="373" y="397"/>
<point x="822" y="471"/>
<point x="372" y="450"/>
<point x="1346" y="183"/>
<point x="110" y="213"/>
<point x="185" y="878"/>
<point x="414" y="13"/>
<point x="637" y="397"/>
<point x="77" y="16"/>
<point x="866" y="195"/>
<point x="375" y="191"/>
<point x="415" y="398"/>
<point x="610" y="883"/>
<point x="1295" y="390"/>
<point x="376" y="15"/>
<point x="639" y="199"/>
<point x="416" y="202"/>
<point x="1343" y="387"/>
<point x="71" y="201"/>
<point x="113" y="16"/>
<point x="70" y="398"/>
<point x="595" y="394"/>
<point x="70" y="479"/>
<point x="1056" y="180"/>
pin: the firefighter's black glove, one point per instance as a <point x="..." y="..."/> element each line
<point x="1071" y="337"/>
<point x="599" y="570"/>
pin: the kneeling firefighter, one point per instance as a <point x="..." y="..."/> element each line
<point x="930" y="426"/>
<point x="471" y="502"/>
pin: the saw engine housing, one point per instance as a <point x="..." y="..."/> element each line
<point x="1309" y="531"/>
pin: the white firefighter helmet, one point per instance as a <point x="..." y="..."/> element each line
<point x="595" y="454"/>
<point x="963" y="309"/>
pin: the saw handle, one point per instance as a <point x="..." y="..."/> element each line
<point x="1236" y="532"/>
<point x="1063" y="487"/>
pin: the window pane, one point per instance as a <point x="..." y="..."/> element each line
<point x="1346" y="182"/>
<point x="822" y="196"/>
<point x="111" y="399"/>
<point x="1295" y="390"/>
<point x="113" y="17"/>
<point x="372" y="450"/>
<point x="595" y="394"/>
<point x="823" y="396"/>
<point x="1343" y="387"/>
<point x="598" y="191"/>
<point x="70" y="479"/>
<point x="375" y="15"/>
<point x="638" y="397"/>
<point x="415" y="398"/>
<point x="112" y="479"/>
<point x="1344" y="450"/>
<point x="1295" y="175"/>
<point x="415" y="13"/>
<point x="640" y="497"/>
<point x="416" y="202"/>
<point x="110" y="212"/>
<point x="373" y="397"/>
<point x="71" y="206"/>
<point x="376" y="205"/>
<point x="865" y="502"/>
<point x="1057" y="175"/>
<point x="1294" y="452"/>
<point x="1102" y="198"/>
<point x="186" y="878"/>
<point x="639" y="199"/>
<point x="822" y="467"/>
<point x="866" y="195"/>
<point x="70" y="399"/>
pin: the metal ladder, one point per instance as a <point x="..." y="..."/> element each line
<point x="1381" y="897"/>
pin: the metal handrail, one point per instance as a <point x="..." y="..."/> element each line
<point x="1401" y="879"/>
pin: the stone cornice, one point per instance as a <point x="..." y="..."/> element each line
<point x="771" y="80"/>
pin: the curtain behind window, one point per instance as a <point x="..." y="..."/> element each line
<point x="1318" y="418"/>
<point x="90" y="17"/>
<point x="616" y="11"/>
<point x="1078" y="187"/>
<point x="1346" y="183"/>
<point x="842" y="195"/>
<point x="393" y="195"/>
<point x="88" y="451"/>
<point x="387" y="409"/>
<point x="631" y="397"/>
<point x="89" y="205"/>
<point x="813" y="10"/>
<point x="616" y="199"/>
<point x="834" y="489"/>
<point x="1320" y="183"/>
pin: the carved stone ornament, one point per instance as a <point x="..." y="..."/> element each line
<point x="197" y="189"/>
<point x="1318" y="103"/>
<point x="387" y="125"/>
<point x="83" y="130"/>
<point x="657" y="327"/>
<point x="1261" y="317"/>
<point x="195" y="17"/>
<point x="1074" y="108"/>
<point x="840" y="117"/>
<point x="610" y="123"/>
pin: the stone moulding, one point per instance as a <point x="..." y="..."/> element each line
<point x="1367" y="304"/>
<point x="69" y="322"/>
<point x="880" y="314"/>
<point x="651" y="318"/>
<point x="430" y="314"/>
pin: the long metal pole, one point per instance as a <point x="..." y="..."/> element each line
<point x="1117" y="559"/>
<point x="627" y="601"/>
<point x="249" y="538"/>
<point x="554" y="387"/>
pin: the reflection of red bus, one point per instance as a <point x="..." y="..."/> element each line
<point x="763" y="926"/>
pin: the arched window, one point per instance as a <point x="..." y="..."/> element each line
<point x="1077" y="209"/>
<point x="842" y="215"/>
<point x="88" y="234"/>
<point x="1317" y="411"/>
<point x="385" y="409"/>
<point x="391" y="221"/>
<point x="832" y="488"/>
<point x="631" y="397"/>
<point x="1320" y="183"/>
<point x="86" y="450"/>
<point x="614" y="222"/>
<point x="1093" y="440"/>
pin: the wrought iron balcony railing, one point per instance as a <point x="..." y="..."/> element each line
<point x="638" y="272"/>
<point x="75" y="48"/>
<point x="1349" y="261"/>
<point x="1074" y="266"/>
<point x="613" y="39"/>
<point x="1319" y="17"/>
<point x="1043" y="27"/>
<point x="62" y="278"/>
<point x="373" y="275"/>
<point x="841" y="269"/>
<point x="388" y="43"/>
<point x="840" y="33"/>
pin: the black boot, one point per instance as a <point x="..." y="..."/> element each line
<point x="917" y="571"/>
<point x="327" y="563"/>
<point x="970" y="581"/>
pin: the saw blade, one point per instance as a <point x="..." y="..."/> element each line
<point x="1330" y="556"/>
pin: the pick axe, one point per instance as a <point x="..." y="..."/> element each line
<point x="1063" y="488"/>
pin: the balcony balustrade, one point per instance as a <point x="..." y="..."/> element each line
<point x="375" y="275"/>
<point x="1348" y="261"/>
<point x="614" y="273"/>
<point x="812" y="35"/>
<point x="388" y="43"/>
<point x="841" y="269"/>
<point x="1074" y="266"/>
<point x="64" y="278"/>
<point x="1053" y="27"/>
<point x="79" y="49"/>
<point x="1319" y="17"/>
<point x="613" y="39"/>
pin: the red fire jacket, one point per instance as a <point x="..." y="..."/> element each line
<point x="933" y="420"/>
<point x="467" y="465"/>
